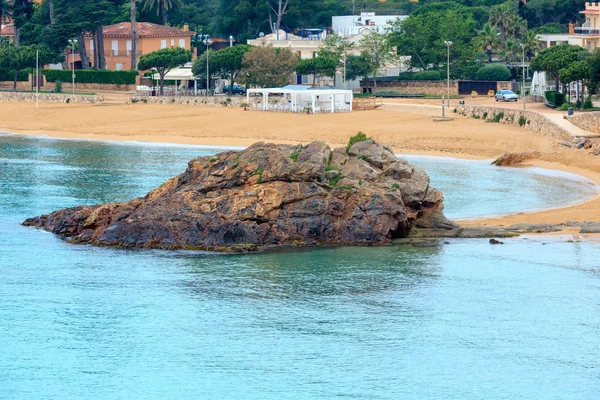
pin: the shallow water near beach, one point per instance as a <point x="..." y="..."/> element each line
<point x="464" y="320"/>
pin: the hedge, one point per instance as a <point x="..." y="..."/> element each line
<point x="92" y="76"/>
<point x="420" y="76"/>
<point x="9" y="76"/>
<point x="493" y="72"/>
<point x="556" y="98"/>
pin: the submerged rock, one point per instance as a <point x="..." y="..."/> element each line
<point x="266" y="195"/>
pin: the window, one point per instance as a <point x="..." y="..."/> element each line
<point x="115" y="47"/>
<point x="91" y="45"/>
<point x="182" y="43"/>
<point x="119" y="67"/>
<point x="172" y="42"/>
<point x="129" y="47"/>
<point x="163" y="44"/>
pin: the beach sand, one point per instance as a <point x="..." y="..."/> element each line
<point x="408" y="132"/>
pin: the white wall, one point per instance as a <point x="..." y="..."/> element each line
<point x="353" y="24"/>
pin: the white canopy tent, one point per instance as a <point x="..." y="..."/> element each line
<point x="297" y="98"/>
<point x="183" y="73"/>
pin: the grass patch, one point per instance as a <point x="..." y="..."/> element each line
<point x="348" y="187"/>
<point x="295" y="154"/>
<point x="334" y="181"/>
<point x="396" y="186"/>
<point x="214" y="159"/>
<point x="497" y="117"/>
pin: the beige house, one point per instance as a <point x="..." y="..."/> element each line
<point x="589" y="32"/>
<point x="151" y="37"/>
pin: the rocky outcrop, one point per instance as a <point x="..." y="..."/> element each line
<point x="509" y="159"/>
<point x="266" y="195"/>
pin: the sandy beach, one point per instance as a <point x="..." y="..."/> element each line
<point x="409" y="132"/>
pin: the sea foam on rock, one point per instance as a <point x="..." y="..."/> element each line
<point x="268" y="194"/>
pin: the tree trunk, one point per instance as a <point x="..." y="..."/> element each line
<point x="582" y="94"/>
<point x="17" y="36"/>
<point x="51" y="10"/>
<point x="100" y="49"/>
<point x="85" y="60"/>
<point x="162" y="82"/>
<point x="489" y="52"/>
<point x="15" y="81"/>
<point x="163" y="13"/>
<point x="231" y="84"/>
<point x="134" y="36"/>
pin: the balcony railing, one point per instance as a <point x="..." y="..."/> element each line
<point x="585" y="31"/>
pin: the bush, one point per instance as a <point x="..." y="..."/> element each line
<point x="420" y="76"/>
<point x="58" y="86"/>
<point x="359" y="137"/>
<point x="556" y="98"/>
<point x="587" y="104"/>
<point x="9" y="75"/>
<point x="92" y="76"/>
<point x="493" y="72"/>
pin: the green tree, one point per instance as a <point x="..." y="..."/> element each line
<point x="317" y="67"/>
<point x="553" y="59"/>
<point x="22" y="11"/>
<point x="163" y="61"/>
<point x="227" y="61"/>
<point x="161" y="7"/>
<point x="502" y="16"/>
<point x="19" y="58"/>
<point x="422" y="37"/>
<point x="531" y="43"/>
<point x="268" y="67"/>
<point x="357" y="67"/>
<point x="577" y="71"/>
<point x="336" y="48"/>
<point x="488" y="40"/>
<point x="378" y="52"/>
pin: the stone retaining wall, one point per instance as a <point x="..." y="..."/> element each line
<point x="415" y="87"/>
<point x="210" y="101"/>
<point x="588" y="121"/>
<point x="67" y="86"/>
<point x="49" y="97"/>
<point x="531" y="120"/>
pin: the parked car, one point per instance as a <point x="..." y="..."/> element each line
<point x="236" y="89"/>
<point x="506" y="95"/>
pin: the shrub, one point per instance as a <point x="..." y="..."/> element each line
<point x="485" y="114"/>
<point x="554" y="97"/>
<point x="588" y="103"/>
<point x="359" y="137"/>
<point x="522" y="120"/>
<point x="497" y="117"/>
<point x="9" y="76"/>
<point x="58" y="86"/>
<point x="493" y="72"/>
<point x="92" y="76"/>
<point x="427" y="76"/>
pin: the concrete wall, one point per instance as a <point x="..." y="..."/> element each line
<point x="532" y="121"/>
<point x="49" y="98"/>
<point x="67" y="87"/>
<point x="588" y="121"/>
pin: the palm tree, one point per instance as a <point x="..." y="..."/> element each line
<point x="488" y="39"/>
<point x="5" y="10"/>
<point x="501" y="17"/>
<point x="511" y="52"/>
<point x="531" y="43"/>
<point x="161" y="7"/>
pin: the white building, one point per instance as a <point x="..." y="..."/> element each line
<point x="348" y="25"/>
<point x="299" y="99"/>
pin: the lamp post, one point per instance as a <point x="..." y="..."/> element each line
<point x="448" y="43"/>
<point x="230" y="40"/>
<point x="523" y="93"/>
<point x="207" y="42"/>
<point x="72" y="42"/>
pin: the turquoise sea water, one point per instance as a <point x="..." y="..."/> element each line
<point x="464" y="320"/>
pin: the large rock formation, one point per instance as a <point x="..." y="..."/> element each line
<point x="266" y="195"/>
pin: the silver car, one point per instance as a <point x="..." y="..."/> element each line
<point x="506" y="95"/>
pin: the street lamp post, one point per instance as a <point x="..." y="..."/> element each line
<point x="448" y="43"/>
<point x="230" y="40"/>
<point x="207" y="42"/>
<point x="523" y="92"/>
<point x="72" y="42"/>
